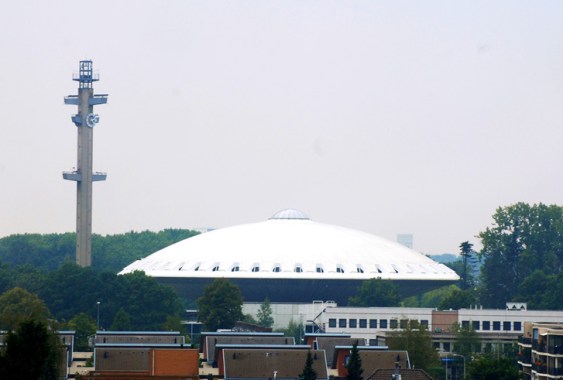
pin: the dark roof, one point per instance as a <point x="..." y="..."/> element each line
<point x="342" y="335"/>
<point x="249" y="340"/>
<point x="377" y="359"/>
<point x="141" y="345"/>
<point x="328" y="343"/>
<point x="262" y="363"/>
<point x="104" y="332"/>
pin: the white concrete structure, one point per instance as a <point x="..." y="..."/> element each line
<point x="290" y="245"/>
<point x="290" y="258"/>
<point x="370" y="322"/>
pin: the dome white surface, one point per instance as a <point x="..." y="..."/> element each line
<point x="290" y="246"/>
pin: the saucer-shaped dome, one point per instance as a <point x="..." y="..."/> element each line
<point x="290" y="246"/>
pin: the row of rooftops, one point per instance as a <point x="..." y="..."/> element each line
<point x="232" y="355"/>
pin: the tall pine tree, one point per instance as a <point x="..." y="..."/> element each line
<point x="308" y="372"/>
<point x="355" y="364"/>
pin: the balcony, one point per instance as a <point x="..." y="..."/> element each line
<point x="543" y="369"/>
<point x="524" y="340"/>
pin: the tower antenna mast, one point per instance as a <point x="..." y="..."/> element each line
<point x="85" y="121"/>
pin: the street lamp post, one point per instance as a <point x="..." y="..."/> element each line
<point x="98" y="316"/>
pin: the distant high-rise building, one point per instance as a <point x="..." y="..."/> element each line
<point x="405" y="239"/>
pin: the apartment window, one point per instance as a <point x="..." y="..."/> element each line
<point x="424" y="323"/>
<point x="352" y="323"/>
<point x="342" y="322"/>
<point x="465" y="324"/>
<point x="393" y="323"/>
<point x="517" y="326"/>
<point x="383" y="323"/>
<point x="486" y="325"/>
<point x="447" y="347"/>
<point x="332" y="322"/>
<point x="373" y="323"/>
<point x="506" y="326"/>
<point x="363" y="323"/>
<point x="496" y="325"/>
<point x="373" y="342"/>
<point x="404" y="323"/>
<point x="476" y="325"/>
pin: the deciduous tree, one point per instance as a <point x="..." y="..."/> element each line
<point x="466" y="340"/>
<point x="522" y="239"/>
<point x="415" y="339"/>
<point x="458" y="299"/>
<point x="220" y="307"/>
<point x="32" y="351"/>
<point x="121" y="321"/>
<point x="294" y="329"/>
<point x="265" y="314"/>
<point x="84" y="327"/>
<point x="376" y="292"/>
<point x="489" y="368"/>
<point x="17" y="305"/>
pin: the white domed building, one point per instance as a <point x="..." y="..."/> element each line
<point x="290" y="258"/>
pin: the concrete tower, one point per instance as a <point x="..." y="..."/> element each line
<point x="85" y="122"/>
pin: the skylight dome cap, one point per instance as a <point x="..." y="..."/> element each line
<point x="290" y="213"/>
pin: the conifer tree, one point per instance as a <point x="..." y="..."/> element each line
<point x="354" y="364"/>
<point x="308" y="372"/>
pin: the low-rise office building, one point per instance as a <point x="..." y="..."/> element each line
<point x="497" y="329"/>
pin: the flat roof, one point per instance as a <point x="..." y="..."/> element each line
<point x="104" y="332"/>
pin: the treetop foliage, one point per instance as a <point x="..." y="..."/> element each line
<point x="415" y="339"/>
<point x="220" y="307"/>
<point x="308" y="372"/>
<point x="18" y="305"/>
<point x="265" y="314"/>
<point x="110" y="253"/>
<point x="32" y="351"/>
<point x="522" y="240"/>
<point x="72" y="290"/>
<point x="354" y="367"/>
<point x="376" y="292"/>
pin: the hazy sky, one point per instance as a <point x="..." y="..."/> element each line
<point x="389" y="117"/>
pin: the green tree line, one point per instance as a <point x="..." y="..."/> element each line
<point x="72" y="290"/>
<point x="110" y="253"/>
